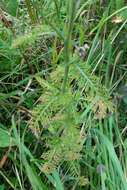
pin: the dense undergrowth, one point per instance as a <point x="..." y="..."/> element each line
<point x="63" y="95"/>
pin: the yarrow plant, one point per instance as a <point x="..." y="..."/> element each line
<point x="58" y="118"/>
<point x="71" y="93"/>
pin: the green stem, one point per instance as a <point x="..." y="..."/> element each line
<point x="57" y="10"/>
<point x="31" y="12"/>
<point x="65" y="78"/>
<point x="67" y="42"/>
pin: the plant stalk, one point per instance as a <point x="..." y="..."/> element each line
<point x="31" y="12"/>
<point x="72" y="10"/>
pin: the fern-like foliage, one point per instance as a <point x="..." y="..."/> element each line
<point x="57" y="119"/>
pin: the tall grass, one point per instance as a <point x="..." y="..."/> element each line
<point x="61" y="64"/>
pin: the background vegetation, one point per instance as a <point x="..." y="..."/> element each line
<point x="63" y="94"/>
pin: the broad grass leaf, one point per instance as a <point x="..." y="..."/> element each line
<point x="5" y="139"/>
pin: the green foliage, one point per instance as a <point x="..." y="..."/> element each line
<point x="10" y="6"/>
<point x="119" y="5"/>
<point x="57" y="83"/>
<point x="30" y="170"/>
<point x="31" y="11"/>
<point x="59" y="115"/>
<point x="39" y="30"/>
<point x="55" y="180"/>
<point x="114" y="159"/>
<point x="5" y="139"/>
<point x="2" y="187"/>
<point x="8" y="58"/>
